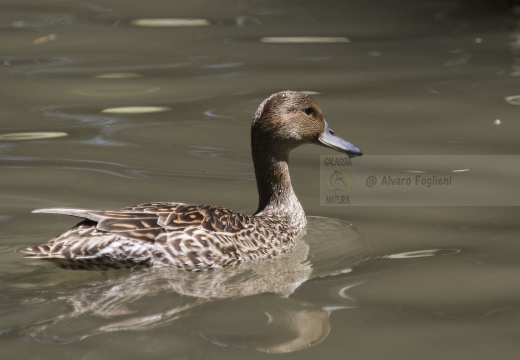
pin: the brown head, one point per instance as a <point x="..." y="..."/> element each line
<point x="282" y="122"/>
<point x="289" y="119"/>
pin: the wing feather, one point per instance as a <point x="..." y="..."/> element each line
<point x="147" y="221"/>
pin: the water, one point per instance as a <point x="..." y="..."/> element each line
<point x="395" y="282"/>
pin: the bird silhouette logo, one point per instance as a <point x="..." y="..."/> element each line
<point x="338" y="181"/>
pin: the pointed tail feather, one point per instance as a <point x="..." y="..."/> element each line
<point x="81" y="213"/>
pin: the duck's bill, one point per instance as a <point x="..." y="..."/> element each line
<point x="329" y="139"/>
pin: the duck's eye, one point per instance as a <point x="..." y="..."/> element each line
<point x="309" y="111"/>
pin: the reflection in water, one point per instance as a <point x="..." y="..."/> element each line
<point x="513" y="100"/>
<point x="118" y="75"/>
<point x="32" y="136"/>
<point x="282" y="326"/>
<point x="303" y="39"/>
<point x="152" y="298"/>
<point x="171" y="22"/>
<point x="44" y="39"/>
<point x="423" y="253"/>
<point x="135" y="109"/>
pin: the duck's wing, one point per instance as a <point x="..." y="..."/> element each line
<point x="147" y="221"/>
<point x="177" y="216"/>
<point x="208" y="217"/>
<point x="133" y="225"/>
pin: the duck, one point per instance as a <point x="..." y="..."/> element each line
<point x="206" y="237"/>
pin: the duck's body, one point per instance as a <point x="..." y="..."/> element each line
<point x="194" y="237"/>
<point x="200" y="237"/>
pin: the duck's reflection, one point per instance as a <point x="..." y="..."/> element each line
<point x="248" y="306"/>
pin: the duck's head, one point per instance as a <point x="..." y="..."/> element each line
<point x="289" y="119"/>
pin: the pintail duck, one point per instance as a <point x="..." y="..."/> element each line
<point x="201" y="237"/>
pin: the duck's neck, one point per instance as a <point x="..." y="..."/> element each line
<point x="275" y="191"/>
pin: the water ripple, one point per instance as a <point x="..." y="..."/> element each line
<point x="120" y="170"/>
<point x="81" y="114"/>
<point x="31" y="136"/>
<point x="422" y="253"/>
<point x="61" y="66"/>
<point x="48" y="16"/>
<point x="221" y="155"/>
